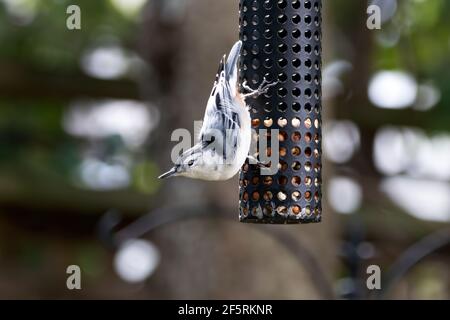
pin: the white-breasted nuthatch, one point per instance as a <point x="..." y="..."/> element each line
<point x="225" y="137"/>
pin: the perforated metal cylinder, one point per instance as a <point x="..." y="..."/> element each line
<point x="282" y="41"/>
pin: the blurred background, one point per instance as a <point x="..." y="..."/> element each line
<point x="85" y="123"/>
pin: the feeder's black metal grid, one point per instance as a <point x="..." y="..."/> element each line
<point x="282" y="41"/>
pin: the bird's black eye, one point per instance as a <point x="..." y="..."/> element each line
<point x="191" y="163"/>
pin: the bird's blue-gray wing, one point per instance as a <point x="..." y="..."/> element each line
<point x="221" y="125"/>
<point x="222" y="116"/>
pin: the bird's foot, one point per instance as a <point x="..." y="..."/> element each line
<point x="262" y="89"/>
<point x="253" y="160"/>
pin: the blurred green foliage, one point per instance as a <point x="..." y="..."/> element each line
<point x="415" y="40"/>
<point x="37" y="45"/>
<point x="46" y="43"/>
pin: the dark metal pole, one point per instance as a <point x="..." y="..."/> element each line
<point x="413" y="255"/>
<point x="282" y="42"/>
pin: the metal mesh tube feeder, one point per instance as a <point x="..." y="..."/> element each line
<point x="282" y="42"/>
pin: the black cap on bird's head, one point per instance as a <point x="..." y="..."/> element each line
<point x="186" y="163"/>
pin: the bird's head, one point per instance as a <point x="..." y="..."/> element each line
<point x="189" y="164"/>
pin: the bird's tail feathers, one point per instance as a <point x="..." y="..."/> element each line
<point x="231" y="67"/>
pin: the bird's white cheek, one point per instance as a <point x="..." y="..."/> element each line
<point x="191" y="173"/>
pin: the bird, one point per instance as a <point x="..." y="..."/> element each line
<point x="224" y="141"/>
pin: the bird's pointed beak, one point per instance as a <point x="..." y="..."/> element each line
<point x="168" y="174"/>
